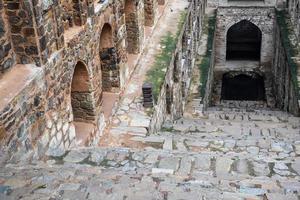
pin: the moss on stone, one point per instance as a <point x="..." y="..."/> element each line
<point x="207" y="58"/>
<point x="156" y="75"/>
<point x="291" y="50"/>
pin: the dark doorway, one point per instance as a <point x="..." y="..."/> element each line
<point x="243" y="41"/>
<point x="243" y="87"/>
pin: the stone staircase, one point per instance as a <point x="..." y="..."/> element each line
<point x="251" y="127"/>
<point x="226" y="154"/>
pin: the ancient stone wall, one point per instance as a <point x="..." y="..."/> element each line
<point x="50" y="118"/>
<point x="261" y="17"/>
<point x="210" y="77"/>
<point x="7" y="55"/>
<point x="283" y="86"/>
<point x="40" y="118"/>
<point x="20" y="18"/>
<point x="150" y="12"/>
<point x="134" y="19"/>
<point x="293" y="7"/>
<point x="217" y="3"/>
<point x="173" y="95"/>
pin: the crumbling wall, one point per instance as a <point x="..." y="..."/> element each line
<point x="263" y="18"/>
<point x="293" y="7"/>
<point x="134" y="20"/>
<point x="284" y="85"/>
<point x="173" y="95"/>
<point x="40" y="119"/>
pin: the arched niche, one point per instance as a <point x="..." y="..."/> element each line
<point x="243" y="41"/>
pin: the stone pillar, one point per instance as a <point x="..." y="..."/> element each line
<point x="161" y="2"/>
<point x="134" y="25"/>
<point x="150" y="12"/>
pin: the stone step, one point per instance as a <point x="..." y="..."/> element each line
<point x="222" y="166"/>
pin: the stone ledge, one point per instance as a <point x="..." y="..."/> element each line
<point x="15" y="81"/>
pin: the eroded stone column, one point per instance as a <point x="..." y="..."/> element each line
<point x="134" y="25"/>
<point x="150" y="12"/>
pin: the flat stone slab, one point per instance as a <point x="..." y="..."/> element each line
<point x="139" y="120"/>
<point x="185" y="166"/>
<point x="223" y="166"/>
<point x="200" y="144"/>
<point x="69" y="186"/>
<point x="281" y="196"/>
<point x="168" y="144"/>
<point x="259" y="118"/>
<point x="202" y="162"/>
<point x="150" y="139"/>
<point x="169" y="163"/>
<point x="162" y="171"/>
<point x="76" y="156"/>
<point x="253" y="191"/>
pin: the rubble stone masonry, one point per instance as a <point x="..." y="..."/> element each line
<point x="42" y="43"/>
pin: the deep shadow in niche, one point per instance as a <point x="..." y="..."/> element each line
<point x="243" y="87"/>
<point x="243" y="41"/>
<point x="108" y="58"/>
<point x="169" y="99"/>
<point x="81" y="96"/>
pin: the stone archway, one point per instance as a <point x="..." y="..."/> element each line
<point x="243" y="41"/>
<point x="82" y="104"/>
<point x="243" y="87"/>
<point x="109" y="69"/>
<point x="81" y="97"/>
<point x="108" y="57"/>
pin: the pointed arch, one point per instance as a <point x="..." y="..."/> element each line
<point x="243" y="41"/>
<point x="106" y="37"/>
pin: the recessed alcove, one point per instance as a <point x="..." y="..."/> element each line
<point x="243" y="87"/>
